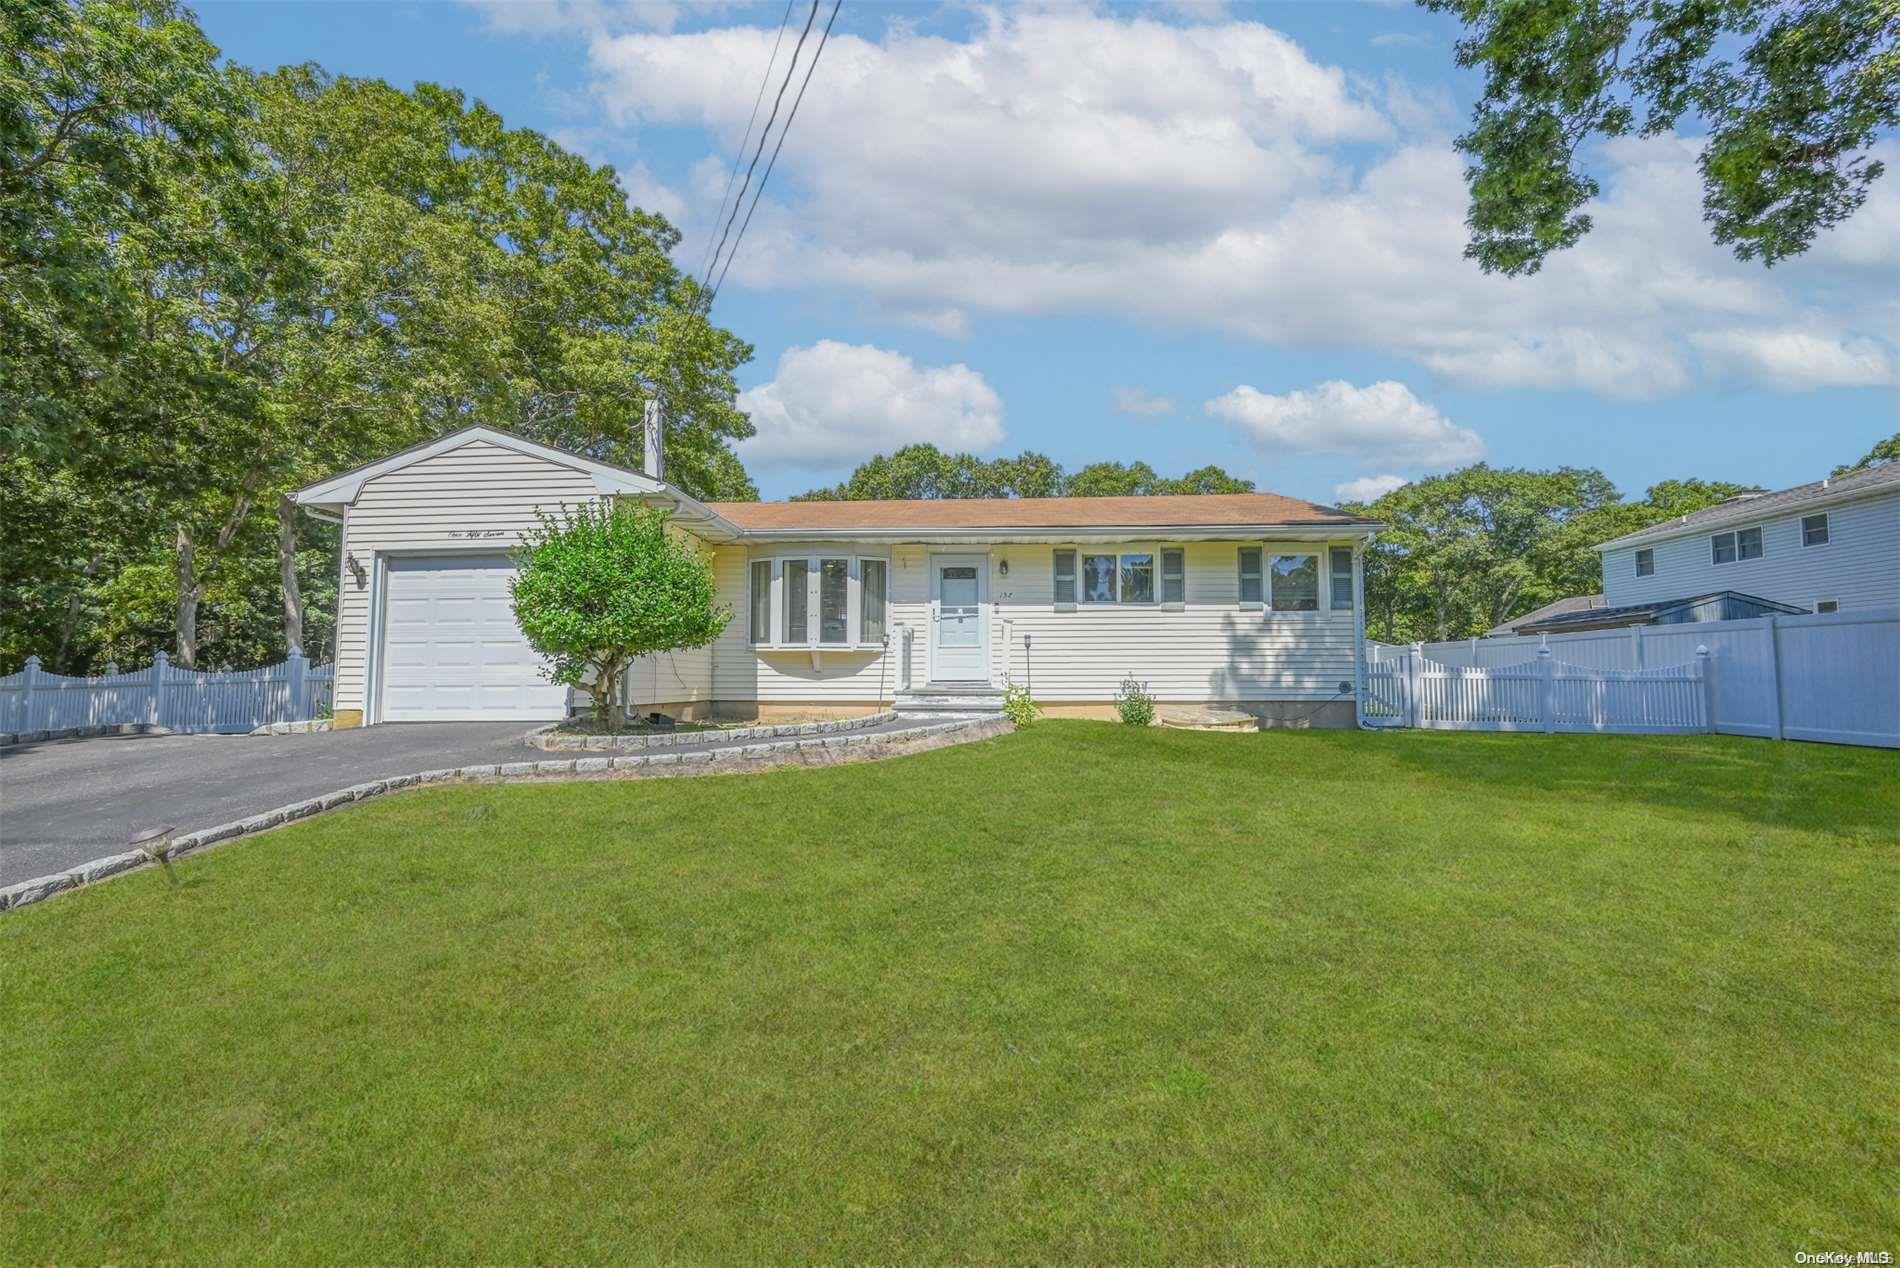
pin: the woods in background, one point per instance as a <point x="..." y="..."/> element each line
<point x="218" y="285"/>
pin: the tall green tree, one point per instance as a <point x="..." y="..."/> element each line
<point x="1466" y="551"/>
<point x="1790" y="99"/>
<point x="220" y="285"/>
<point x="925" y="471"/>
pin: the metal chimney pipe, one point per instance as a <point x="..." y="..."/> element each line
<point x="653" y="433"/>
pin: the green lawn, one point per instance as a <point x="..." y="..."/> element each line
<point x="1083" y="993"/>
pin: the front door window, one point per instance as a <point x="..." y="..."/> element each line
<point x="959" y="617"/>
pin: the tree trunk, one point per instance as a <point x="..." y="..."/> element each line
<point x="287" y="567"/>
<point x="190" y="590"/>
<point x="70" y="625"/>
<point x="607" y="696"/>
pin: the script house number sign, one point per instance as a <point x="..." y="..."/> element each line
<point x="476" y="532"/>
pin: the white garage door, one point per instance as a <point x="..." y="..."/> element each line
<point x="452" y="650"/>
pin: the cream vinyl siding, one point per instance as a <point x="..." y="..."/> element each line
<point x="742" y="672"/>
<point x="479" y="499"/>
<point x="1859" y="565"/>
<point x="1207" y="649"/>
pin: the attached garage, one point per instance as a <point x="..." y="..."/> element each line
<point x="451" y="651"/>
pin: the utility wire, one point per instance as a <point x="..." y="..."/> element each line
<point x="777" y="101"/>
<point x="732" y="177"/>
<point x="816" y="54"/>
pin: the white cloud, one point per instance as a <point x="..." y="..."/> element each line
<point x="1797" y="360"/>
<point x="1219" y="177"/>
<point x="1382" y="420"/>
<point x="1135" y="400"/>
<point x="1368" y="488"/>
<point x="1399" y="39"/>
<point x="835" y="404"/>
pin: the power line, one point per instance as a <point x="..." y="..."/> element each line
<point x="816" y="54"/>
<point x="706" y="257"/>
<point x="777" y="101"/>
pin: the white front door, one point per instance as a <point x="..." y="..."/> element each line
<point x="451" y="650"/>
<point x="959" y="618"/>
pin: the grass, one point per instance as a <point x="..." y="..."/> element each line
<point x="1083" y="993"/>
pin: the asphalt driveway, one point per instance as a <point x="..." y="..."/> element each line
<point x="67" y="802"/>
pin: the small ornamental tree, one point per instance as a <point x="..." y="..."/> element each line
<point x="600" y="586"/>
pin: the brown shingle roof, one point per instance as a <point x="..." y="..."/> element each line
<point x="1169" y="511"/>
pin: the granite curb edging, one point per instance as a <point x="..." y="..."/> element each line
<point x="9" y="739"/>
<point x="313" y="726"/>
<point x="809" y="750"/>
<point x="548" y="740"/>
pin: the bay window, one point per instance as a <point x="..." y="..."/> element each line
<point x="760" y="630"/>
<point x="795" y="600"/>
<point x="874" y="592"/>
<point x="818" y="601"/>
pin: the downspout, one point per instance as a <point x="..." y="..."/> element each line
<point x="1359" y="634"/>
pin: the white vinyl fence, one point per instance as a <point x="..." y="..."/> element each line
<point x="162" y="695"/>
<point x="1833" y="678"/>
<point x="1540" y="694"/>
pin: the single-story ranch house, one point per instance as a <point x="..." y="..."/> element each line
<point x="1250" y="601"/>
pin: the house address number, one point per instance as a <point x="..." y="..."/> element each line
<point x="477" y="532"/>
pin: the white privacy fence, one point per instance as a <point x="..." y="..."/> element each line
<point x="1831" y="677"/>
<point x="162" y="695"/>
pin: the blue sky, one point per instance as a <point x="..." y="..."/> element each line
<point x="1183" y="233"/>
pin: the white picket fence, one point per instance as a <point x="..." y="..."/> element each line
<point x="1833" y="678"/>
<point x="165" y="696"/>
<point x="1541" y="694"/>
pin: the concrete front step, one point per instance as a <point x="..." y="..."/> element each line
<point x="945" y="698"/>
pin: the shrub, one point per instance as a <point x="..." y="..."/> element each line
<point x="1134" y="703"/>
<point x="601" y="586"/>
<point x="1018" y="706"/>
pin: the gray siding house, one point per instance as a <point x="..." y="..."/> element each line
<point x="1829" y="546"/>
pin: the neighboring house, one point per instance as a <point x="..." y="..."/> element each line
<point x="1724" y="605"/>
<point x="1828" y="546"/>
<point x="1562" y="607"/>
<point x="1248" y="600"/>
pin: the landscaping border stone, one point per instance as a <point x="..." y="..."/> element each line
<point x="312" y="727"/>
<point x="550" y="740"/>
<point x="790" y="747"/>
<point x="10" y="738"/>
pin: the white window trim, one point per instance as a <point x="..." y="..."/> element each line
<point x="1827" y="526"/>
<point x="1736" y="533"/>
<point x="1321" y="553"/>
<point x="854" y="601"/>
<point x="1636" y="560"/>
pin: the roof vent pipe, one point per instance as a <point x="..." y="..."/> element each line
<point x="652" y="432"/>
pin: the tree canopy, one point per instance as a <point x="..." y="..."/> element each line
<point x="1791" y="99"/>
<point x="217" y="285"/>
<point x="925" y="471"/>
<point x="1466" y="551"/>
<point x="1880" y="455"/>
